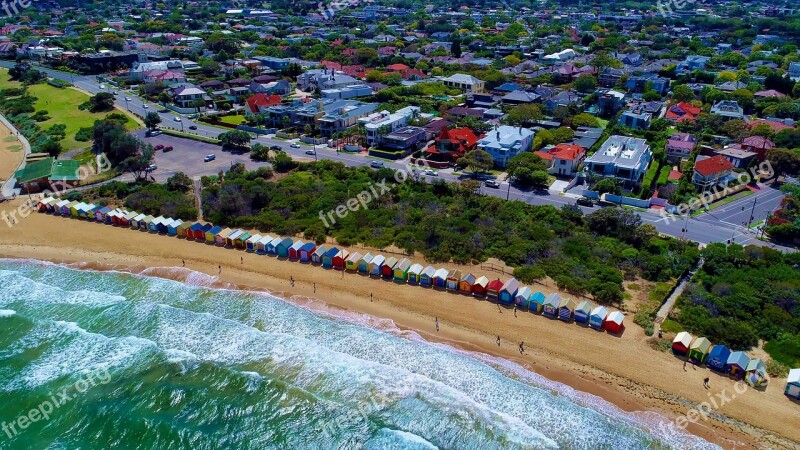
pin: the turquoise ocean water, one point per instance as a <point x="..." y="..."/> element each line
<point x="152" y="363"/>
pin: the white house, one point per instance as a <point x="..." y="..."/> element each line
<point x="506" y="142"/>
<point x="465" y="83"/>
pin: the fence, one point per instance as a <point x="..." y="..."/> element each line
<point x="257" y="130"/>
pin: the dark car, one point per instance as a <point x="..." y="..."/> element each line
<point x="158" y="147"/>
<point x="276" y="147"/>
<point x="585" y="201"/>
<point x="193" y="127"/>
<point x="168" y="148"/>
<point x="376" y="164"/>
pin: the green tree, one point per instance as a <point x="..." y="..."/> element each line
<point x="524" y="114"/>
<point x="180" y="182"/>
<point x="682" y="93"/>
<point x="478" y="161"/>
<point x="585" y="83"/>
<point x="234" y="138"/>
<point x="528" y="170"/>
<point x="152" y="120"/>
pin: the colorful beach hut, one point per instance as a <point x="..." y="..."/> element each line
<point x="62" y="208"/>
<point x="536" y="301"/>
<point x="125" y="221"/>
<point x="414" y="273"/>
<point x="183" y="229"/>
<point x="352" y="261"/>
<point x="363" y="264"/>
<point x="306" y="251"/>
<point x="172" y="227"/>
<point x="615" y="322"/>
<point x="230" y="239"/>
<point x="272" y="247"/>
<point x="319" y="252"/>
<point x="756" y="374"/>
<point x="294" y="250"/>
<point x="46" y="204"/>
<point x="241" y="240"/>
<point x="153" y="225"/>
<point x="282" y="249"/>
<point x="401" y="270"/>
<point x="440" y="278"/>
<point x="566" y="308"/>
<point x="550" y="306"/>
<point x="144" y="224"/>
<point x="261" y="245"/>
<point x="598" y="317"/>
<point x="340" y="259"/>
<point x="479" y="287"/>
<point x="717" y="358"/>
<point x="221" y="238"/>
<point x="200" y="234"/>
<point x="163" y="226"/>
<point x="465" y="285"/>
<point x="252" y="242"/>
<point x="509" y="291"/>
<point x="195" y="231"/>
<point x="136" y="222"/>
<point x="327" y="258"/>
<point x="211" y="234"/>
<point x="493" y="289"/>
<point x="453" y="278"/>
<point x="583" y="311"/>
<point x="699" y="349"/>
<point x="522" y="298"/>
<point x="681" y="343"/>
<point x="793" y="384"/>
<point x="426" y="276"/>
<point x="737" y="364"/>
<point x="387" y="270"/>
<point x="101" y="213"/>
<point x="112" y="217"/>
<point x="376" y="265"/>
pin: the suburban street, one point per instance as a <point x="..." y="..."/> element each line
<point x="727" y="222"/>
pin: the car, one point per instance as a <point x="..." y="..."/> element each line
<point x="294" y="145"/>
<point x="127" y="99"/>
<point x="491" y="184"/>
<point x="584" y="201"/>
<point x="151" y="168"/>
<point x="153" y="133"/>
<point x="192" y="127"/>
<point x="102" y="86"/>
<point x="210" y="157"/>
<point x="168" y="148"/>
<point x="176" y="119"/>
<point x="376" y="165"/>
<point x="275" y="147"/>
<point x="158" y="147"/>
<point x="114" y="92"/>
<point x="193" y="116"/>
<point x="311" y="152"/>
<point x="144" y="105"/>
<point x="431" y="173"/>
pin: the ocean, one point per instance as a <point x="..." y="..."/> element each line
<point x="103" y="359"/>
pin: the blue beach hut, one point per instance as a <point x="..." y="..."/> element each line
<point x="536" y="301"/>
<point x="327" y="257"/>
<point x="717" y="358"/>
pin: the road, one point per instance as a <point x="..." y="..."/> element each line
<point x="720" y="225"/>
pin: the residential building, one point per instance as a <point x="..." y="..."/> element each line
<point x="465" y="83"/>
<point x="344" y="117"/>
<point x="739" y="157"/>
<point x="138" y="69"/>
<point x="609" y="102"/>
<point x="609" y="77"/>
<point x="563" y="55"/>
<point x="279" y="87"/>
<point x="356" y="90"/>
<point x="634" y="119"/>
<point x="679" y="146"/>
<point x="693" y="62"/>
<point x="758" y="144"/>
<point x="794" y="71"/>
<point x="564" y="159"/>
<point x="106" y="61"/>
<point x="641" y="83"/>
<point x="711" y="171"/>
<point x="451" y="145"/>
<point x="621" y="157"/>
<point x="681" y="112"/>
<point x="728" y="109"/>
<point x="381" y="123"/>
<point x="506" y="142"/>
<point x="272" y="62"/>
<point x="406" y="139"/>
<point x="40" y="175"/>
<point x="520" y="97"/>
<point x="258" y="103"/>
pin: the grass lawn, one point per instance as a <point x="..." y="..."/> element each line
<point x="724" y="201"/>
<point x="603" y="123"/>
<point x="233" y="120"/>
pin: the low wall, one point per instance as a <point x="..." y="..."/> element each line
<point x="433" y="164"/>
<point x="386" y="155"/>
<point x="629" y="201"/>
<point x="314" y="141"/>
<point x="180" y="110"/>
<point x="255" y="130"/>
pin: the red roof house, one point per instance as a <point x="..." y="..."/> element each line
<point x="566" y="158"/>
<point x="758" y="144"/>
<point x="255" y="103"/>
<point x="682" y="111"/>
<point x="711" y="171"/>
<point x="452" y="144"/>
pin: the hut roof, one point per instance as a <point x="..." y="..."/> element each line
<point x="585" y="306"/>
<point x="616" y="317"/>
<point x="739" y="358"/>
<point x="415" y="269"/>
<point x="482" y="282"/>
<point x="511" y="285"/>
<point x="553" y="300"/>
<point x="429" y="271"/>
<point x="441" y="273"/>
<point x="702" y="344"/>
<point x="683" y="338"/>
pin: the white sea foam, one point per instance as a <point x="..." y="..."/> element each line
<point x="7" y="312"/>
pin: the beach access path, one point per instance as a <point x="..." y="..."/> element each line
<point x="8" y="189"/>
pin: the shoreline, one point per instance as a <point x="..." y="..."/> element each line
<point x="465" y="323"/>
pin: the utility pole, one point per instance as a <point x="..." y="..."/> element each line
<point x="752" y="211"/>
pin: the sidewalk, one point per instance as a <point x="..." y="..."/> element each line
<point x="8" y="189"/>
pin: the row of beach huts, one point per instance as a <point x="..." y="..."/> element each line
<point x="402" y="270"/>
<point x="721" y="359"/>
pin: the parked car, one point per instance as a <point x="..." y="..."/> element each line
<point x="158" y="147"/>
<point x="294" y="145"/>
<point x="192" y="127"/>
<point x="176" y="119"/>
<point x="144" y="105"/>
<point x="275" y="147"/>
<point x="151" y="168"/>
<point x="585" y="201"/>
<point x="168" y="148"/>
<point x="311" y="152"/>
<point x="492" y="184"/>
<point x="376" y="164"/>
<point x="127" y="99"/>
<point x="431" y="173"/>
<point x="210" y="157"/>
<point x="153" y="133"/>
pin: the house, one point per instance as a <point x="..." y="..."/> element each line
<point x="609" y="77"/>
<point x="738" y="156"/>
<point x="759" y="145"/>
<point x="48" y="172"/>
<point x="256" y="104"/>
<point x="699" y="349"/>
<point x="520" y="98"/>
<point x="793" y="384"/>
<point x="464" y="83"/>
<point x="565" y="159"/>
<point x="563" y="98"/>
<point x="279" y="87"/>
<point x="679" y="146"/>
<point x="356" y="90"/>
<point x="609" y="102"/>
<point x="712" y="171"/>
<point x="404" y="140"/>
<point x="642" y="83"/>
<point x="506" y="142"/>
<point x="186" y="96"/>
<point x="381" y="123"/>
<point x="563" y="55"/>
<point x="636" y="120"/>
<point x="621" y="157"/>
<point x="344" y="117"/>
<point x="681" y="112"/>
<point x="692" y="63"/>
<point x="451" y="145"/>
<point x="728" y="109"/>
<point x="717" y="358"/>
<point x="681" y="343"/>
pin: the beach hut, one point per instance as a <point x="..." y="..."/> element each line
<point x="172" y="228"/>
<point x="466" y="282"/>
<point x="272" y="247"/>
<point x="112" y="217"/>
<point x="479" y="287"/>
<point x="136" y="222"/>
<point x="306" y="251"/>
<point x="101" y="213"/>
<point x="340" y="260"/>
<point x="426" y="276"/>
<point x="681" y="343"/>
<point x="756" y="374"/>
<point x="614" y="322"/>
<point x="566" y="308"/>
<point x="536" y="301"/>
<point x="283" y="246"/>
<point x="583" y="311"/>
<point x="163" y="226"/>
<point x="793" y="384"/>
<point x="183" y="229"/>
<point x="241" y="240"/>
<point x="387" y="270"/>
<point x="414" y="273"/>
<point x="195" y="231"/>
<point x="153" y="225"/>
<point x="453" y="278"/>
<point x="737" y="364"/>
<point x="509" y="291"/>
<point x="522" y="298"/>
<point x="598" y="317"/>
<point x="221" y="238"/>
<point x="327" y="258"/>
<point x="316" y="257"/>
<point x="46" y="204"/>
<point x="717" y="358"/>
<point x="550" y="305"/>
<point x="440" y="278"/>
<point x="62" y="208"/>
<point x="401" y="270"/>
<point x="363" y="264"/>
<point x="294" y="250"/>
<point x="493" y="289"/>
<point x="699" y="349"/>
<point x="230" y="239"/>
<point x="70" y="210"/>
<point x="376" y="265"/>
<point x="211" y="234"/>
<point x="252" y="242"/>
<point x="352" y="261"/>
<point x="200" y="233"/>
<point x="126" y="220"/>
<point x="261" y="246"/>
<point x="144" y="224"/>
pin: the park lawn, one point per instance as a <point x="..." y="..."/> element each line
<point x="233" y="120"/>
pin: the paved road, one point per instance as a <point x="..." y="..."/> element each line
<point x="8" y="189"/>
<point x="719" y="225"/>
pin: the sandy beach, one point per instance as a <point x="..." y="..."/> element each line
<point x="623" y="370"/>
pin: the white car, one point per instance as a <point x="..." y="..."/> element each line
<point x="431" y="173"/>
<point x="311" y="152"/>
<point x="144" y="105"/>
<point x="127" y="99"/>
<point x="102" y="86"/>
<point x="176" y="119"/>
<point x="294" y="145"/>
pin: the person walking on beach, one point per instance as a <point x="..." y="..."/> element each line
<point x="684" y="366"/>
<point x="705" y="382"/>
<point x="315" y="288"/>
<point x="437" y="324"/>
<point x="370" y="297"/>
<point x="241" y="259"/>
<point x="183" y="263"/>
<point x="219" y="269"/>
<point x="522" y="348"/>
<point x="515" y="310"/>
<point x="498" y="340"/>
